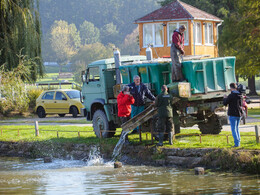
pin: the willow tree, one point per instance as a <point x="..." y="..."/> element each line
<point x="20" y="34"/>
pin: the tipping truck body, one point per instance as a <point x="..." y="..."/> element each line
<point x="199" y="96"/>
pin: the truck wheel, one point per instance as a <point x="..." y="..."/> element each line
<point x="100" y="122"/>
<point x="213" y="125"/>
<point x="41" y="112"/>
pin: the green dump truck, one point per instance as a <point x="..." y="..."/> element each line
<point x="200" y="96"/>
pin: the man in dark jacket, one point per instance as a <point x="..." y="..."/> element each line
<point x="234" y="102"/>
<point x="139" y="91"/>
<point x="164" y="103"/>
<point x="177" y="50"/>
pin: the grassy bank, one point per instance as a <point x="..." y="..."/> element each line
<point x="188" y="138"/>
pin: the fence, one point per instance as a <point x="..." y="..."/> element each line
<point x="58" y="84"/>
<point x="37" y="133"/>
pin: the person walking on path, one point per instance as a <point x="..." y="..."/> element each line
<point x="139" y="91"/>
<point x="234" y="102"/>
<point x="124" y="101"/>
<point x="177" y="50"/>
<point x="164" y="103"/>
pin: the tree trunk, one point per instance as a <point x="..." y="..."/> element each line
<point x="251" y="86"/>
<point x="237" y="78"/>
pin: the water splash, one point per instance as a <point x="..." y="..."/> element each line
<point x="94" y="157"/>
<point x="119" y="145"/>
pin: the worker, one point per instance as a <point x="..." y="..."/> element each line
<point x="177" y="51"/>
<point x="124" y="101"/>
<point x="164" y="103"/>
<point x="139" y="92"/>
<point x="234" y="102"/>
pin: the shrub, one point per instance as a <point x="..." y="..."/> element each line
<point x="33" y="94"/>
<point x="13" y="89"/>
<point x="6" y="107"/>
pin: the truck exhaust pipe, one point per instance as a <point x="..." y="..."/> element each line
<point x="149" y="53"/>
<point x="117" y="65"/>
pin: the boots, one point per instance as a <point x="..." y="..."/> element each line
<point x="127" y="140"/>
<point x="161" y="136"/>
<point x="170" y="137"/>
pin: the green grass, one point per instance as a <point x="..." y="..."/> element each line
<point x="254" y="111"/>
<point x="27" y="133"/>
<point x="48" y="78"/>
<point x="81" y="121"/>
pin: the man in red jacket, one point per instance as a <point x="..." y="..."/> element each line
<point x="124" y="101"/>
<point x="177" y="50"/>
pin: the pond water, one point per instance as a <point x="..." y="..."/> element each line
<point x="23" y="176"/>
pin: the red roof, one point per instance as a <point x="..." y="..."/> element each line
<point x="177" y="10"/>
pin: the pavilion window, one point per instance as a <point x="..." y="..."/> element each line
<point x="153" y="35"/>
<point x="175" y="25"/>
<point x="208" y="33"/>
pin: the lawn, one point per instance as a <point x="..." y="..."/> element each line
<point x="49" y="78"/>
<point x="253" y="113"/>
<point x="70" y="134"/>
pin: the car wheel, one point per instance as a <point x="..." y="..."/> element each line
<point x="61" y="115"/>
<point x="74" y="111"/>
<point x="41" y="112"/>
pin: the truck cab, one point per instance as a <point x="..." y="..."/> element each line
<point x="99" y="94"/>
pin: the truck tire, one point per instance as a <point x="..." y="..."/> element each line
<point x="100" y="122"/>
<point x="213" y="125"/>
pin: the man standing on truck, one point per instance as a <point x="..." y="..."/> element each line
<point x="139" y="91"/>
<point x="177" y="50"/>
<point x="164" y="103"/>
<point x="124" y="101"/>
<point x="234" y="102"/>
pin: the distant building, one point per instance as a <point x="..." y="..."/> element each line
<point x="157" y="27"/>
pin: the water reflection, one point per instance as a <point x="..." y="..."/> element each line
<point x="21" y="176"/>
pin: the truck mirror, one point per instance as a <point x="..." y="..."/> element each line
<point x="87" y="76"/>
<point x="83" y="76"/>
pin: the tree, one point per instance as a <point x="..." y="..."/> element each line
<point x="89" y="33"/>
<point x="20" y="32"/>
<point x="109" y="34"/>
<point x="244" y="42"/>
<point x="130" y="45"/>
<point x="88" y="54"/>
<point x="65" y="41"/>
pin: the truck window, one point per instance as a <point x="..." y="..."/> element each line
<point x="94" y="74"/>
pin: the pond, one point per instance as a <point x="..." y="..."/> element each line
<point x="25" y="176"/>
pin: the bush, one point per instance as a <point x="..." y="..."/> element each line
<point x="6" y="107"/>
<point x="33" y="94"/>
<point x="13" y="89"/>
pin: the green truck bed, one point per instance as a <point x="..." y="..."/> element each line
<point x="205" y="76"/>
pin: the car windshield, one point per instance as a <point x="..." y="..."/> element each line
<point x="73" y="94"/>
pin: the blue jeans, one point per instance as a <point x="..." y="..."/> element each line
<point x="135" y="111"/>
<point x="234" y="123"/>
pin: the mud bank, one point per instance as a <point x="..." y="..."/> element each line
<point x="216" y="159"/>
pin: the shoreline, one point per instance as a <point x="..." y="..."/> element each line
<point x="235" y="160"/>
